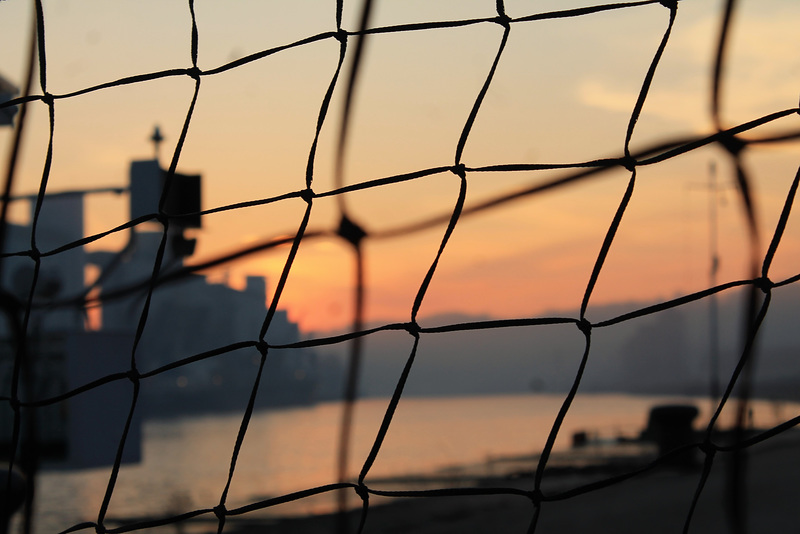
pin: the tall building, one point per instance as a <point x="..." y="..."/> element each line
<point x="187" y="316"/>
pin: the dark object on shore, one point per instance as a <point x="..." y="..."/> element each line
<point x="580" y="439"/>
<point x="670" y="427"/>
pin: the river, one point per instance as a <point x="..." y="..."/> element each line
<point x="185" y="462"/>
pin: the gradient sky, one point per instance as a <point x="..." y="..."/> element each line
<point x="564" y="91"/>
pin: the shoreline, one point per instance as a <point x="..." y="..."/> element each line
<point x="656" y="501"/>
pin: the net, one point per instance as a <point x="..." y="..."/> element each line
<point x="336" y="182"/>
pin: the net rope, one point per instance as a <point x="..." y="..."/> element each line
<point x="735" y="140"/>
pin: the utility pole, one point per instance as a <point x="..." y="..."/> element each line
<point x="713" y="306"/>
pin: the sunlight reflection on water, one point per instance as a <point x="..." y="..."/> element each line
<point x="186" y="461"/>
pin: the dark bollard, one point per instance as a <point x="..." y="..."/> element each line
<point x="670" y="427"/>
<point x="12" y="494"/>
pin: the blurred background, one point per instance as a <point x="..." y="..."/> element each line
<point x="524" y="247"/>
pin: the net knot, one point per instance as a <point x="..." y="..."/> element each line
<point x="351" y="231"/>
<point x="536" y="496"/>
<point x="669" y="4"/>
<point x="584" y="326"/>
<point x="194" y="72"/>
<point x="100" y="528"/>
<point x="48" y="98"/>
<point x="133" y="375"/>
<point x="629" y="163"/>
<point x="708" y="448"/>
<point x="362" y="491"/>
<point x="35" y="254"/>
<point x="732" y="144"/>
<point x="459" y="170"/>
<point x="308" y="195"/>
<point x="262" y="347"/>
<point x="413" y="328"/>
<point x="764" y="284"/>
<point x="341" y="36"/>
<point x="220" y="511"/>
<point x="503" y="20"/>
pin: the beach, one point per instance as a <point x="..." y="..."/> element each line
<point x="486" y="443"/>
<point x="655" y="502"/>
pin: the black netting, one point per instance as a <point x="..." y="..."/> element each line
<point x="734" y="141"/>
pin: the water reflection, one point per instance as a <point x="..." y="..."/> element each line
<point x="186" y="461"/>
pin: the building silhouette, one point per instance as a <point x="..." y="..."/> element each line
<point x="188" y="315"/>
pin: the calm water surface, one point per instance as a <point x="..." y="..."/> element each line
<point x="186" y="461"/>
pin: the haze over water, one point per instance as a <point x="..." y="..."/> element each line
<point x="185" y="461"/>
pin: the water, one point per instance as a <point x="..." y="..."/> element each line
<point x="186" y="462"/>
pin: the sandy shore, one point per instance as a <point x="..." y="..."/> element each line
<point x="656" y="502"/>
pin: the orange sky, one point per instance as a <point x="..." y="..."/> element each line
<point x="563" y="92"/>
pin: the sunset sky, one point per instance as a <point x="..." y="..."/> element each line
<point x="563" y="92"/>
